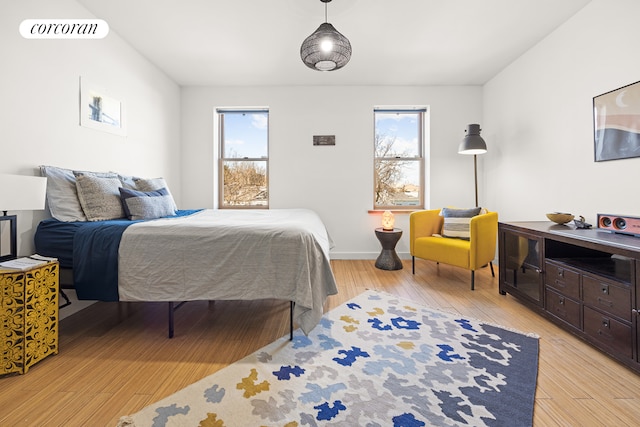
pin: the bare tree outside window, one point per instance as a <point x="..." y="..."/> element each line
<point x="245" y="184"/>
<point x="244" y="158"/>
<point x="398" y="159"/>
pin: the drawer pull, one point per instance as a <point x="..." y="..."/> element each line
<point x="605" y="323"/>
<point x="605" y="302"/>
<point x="561" y="300"/>
<point x="605" y="289"/>
<point x="560" y="272"/>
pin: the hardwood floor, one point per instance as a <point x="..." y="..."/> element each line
<point x="115" y="358"/>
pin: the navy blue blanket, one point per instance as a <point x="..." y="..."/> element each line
<point x="95" y="259"/>
<point x="55" y="238"/>
<point x="94" y="252"/>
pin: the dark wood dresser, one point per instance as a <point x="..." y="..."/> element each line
<point x="584" y="280"/>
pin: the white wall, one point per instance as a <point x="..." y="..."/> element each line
<point x="335" y="181"/>
<point x="39" y="86"/>
<point x="538" y="120"/>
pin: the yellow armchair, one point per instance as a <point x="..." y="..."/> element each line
<point x="426" y="241"/>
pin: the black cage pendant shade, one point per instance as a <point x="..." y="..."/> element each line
<point x="326" y="49"/>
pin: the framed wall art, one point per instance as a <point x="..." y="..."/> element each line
<point x="616" y="123"/>
<point x="100" y="110"/>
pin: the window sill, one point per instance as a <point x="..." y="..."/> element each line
<point x="395" y="212"/>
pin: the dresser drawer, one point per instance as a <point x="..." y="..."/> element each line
<point x="562" y="307"/>
<point x="562" y="279"/>
<point x="614" y="336"/>
<point x="607" y="297"/>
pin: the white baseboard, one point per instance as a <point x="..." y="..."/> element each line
<point x="364" y="255"/>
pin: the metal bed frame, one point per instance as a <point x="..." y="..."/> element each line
<point x="175" y="306"/>
<point x="172" y="306"/>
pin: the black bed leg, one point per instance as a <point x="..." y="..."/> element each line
<point x="64" y="296"/>
<point x="171" y="320"/>
<point x="291" y="320"/>
<point x="172" y="308"/>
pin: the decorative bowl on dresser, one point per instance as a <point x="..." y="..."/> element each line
<point x="560" y="217"/>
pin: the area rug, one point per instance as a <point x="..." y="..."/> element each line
<point x="377" y="360"/>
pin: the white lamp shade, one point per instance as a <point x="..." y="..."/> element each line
<point x="22" y="193"/>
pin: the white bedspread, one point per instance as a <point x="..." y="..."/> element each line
<point x="230" y="255"/>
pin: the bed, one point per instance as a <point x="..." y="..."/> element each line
<point x="230" y="254"/>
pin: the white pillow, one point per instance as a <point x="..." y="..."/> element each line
<point x="62" y="195"/>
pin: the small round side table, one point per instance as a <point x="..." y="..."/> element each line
<point x="388" y="258"/>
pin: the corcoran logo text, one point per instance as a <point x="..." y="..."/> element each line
<point x="64" y="28"/>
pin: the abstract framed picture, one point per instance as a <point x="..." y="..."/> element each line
<point x="100" y="110"/>
<point x="616" y="123"/>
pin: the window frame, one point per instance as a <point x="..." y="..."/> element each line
<point x="220" y="112"/>
<point x="420" y="158"/>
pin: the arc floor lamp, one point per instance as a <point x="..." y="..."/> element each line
<point x="473" y="144"/>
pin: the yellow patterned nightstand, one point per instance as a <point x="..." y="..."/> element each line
<point x="28" y="316"/>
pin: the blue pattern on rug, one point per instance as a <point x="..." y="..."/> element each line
<point x="377" y="360"/>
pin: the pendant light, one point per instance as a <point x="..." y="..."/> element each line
<point x="326" y="49"/>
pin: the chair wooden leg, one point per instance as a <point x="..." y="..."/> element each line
<point x="491" y="265"/>
<point x="413" y="265"/>
<point x="473" y="276"/>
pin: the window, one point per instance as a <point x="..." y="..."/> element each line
<point x="244" y="158"/>
<point x="399" y="161"/>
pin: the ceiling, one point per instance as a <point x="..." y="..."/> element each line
<point x="394" y="42"/>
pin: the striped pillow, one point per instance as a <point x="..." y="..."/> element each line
<point x="147" y="205"/>
<point x="456" y="222"/>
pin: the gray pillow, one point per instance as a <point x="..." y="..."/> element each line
<point x="147" y="204"/>
<point x="99" y="196"/>
<point x="153" y="184"/>
<point x="457" y="222"/>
